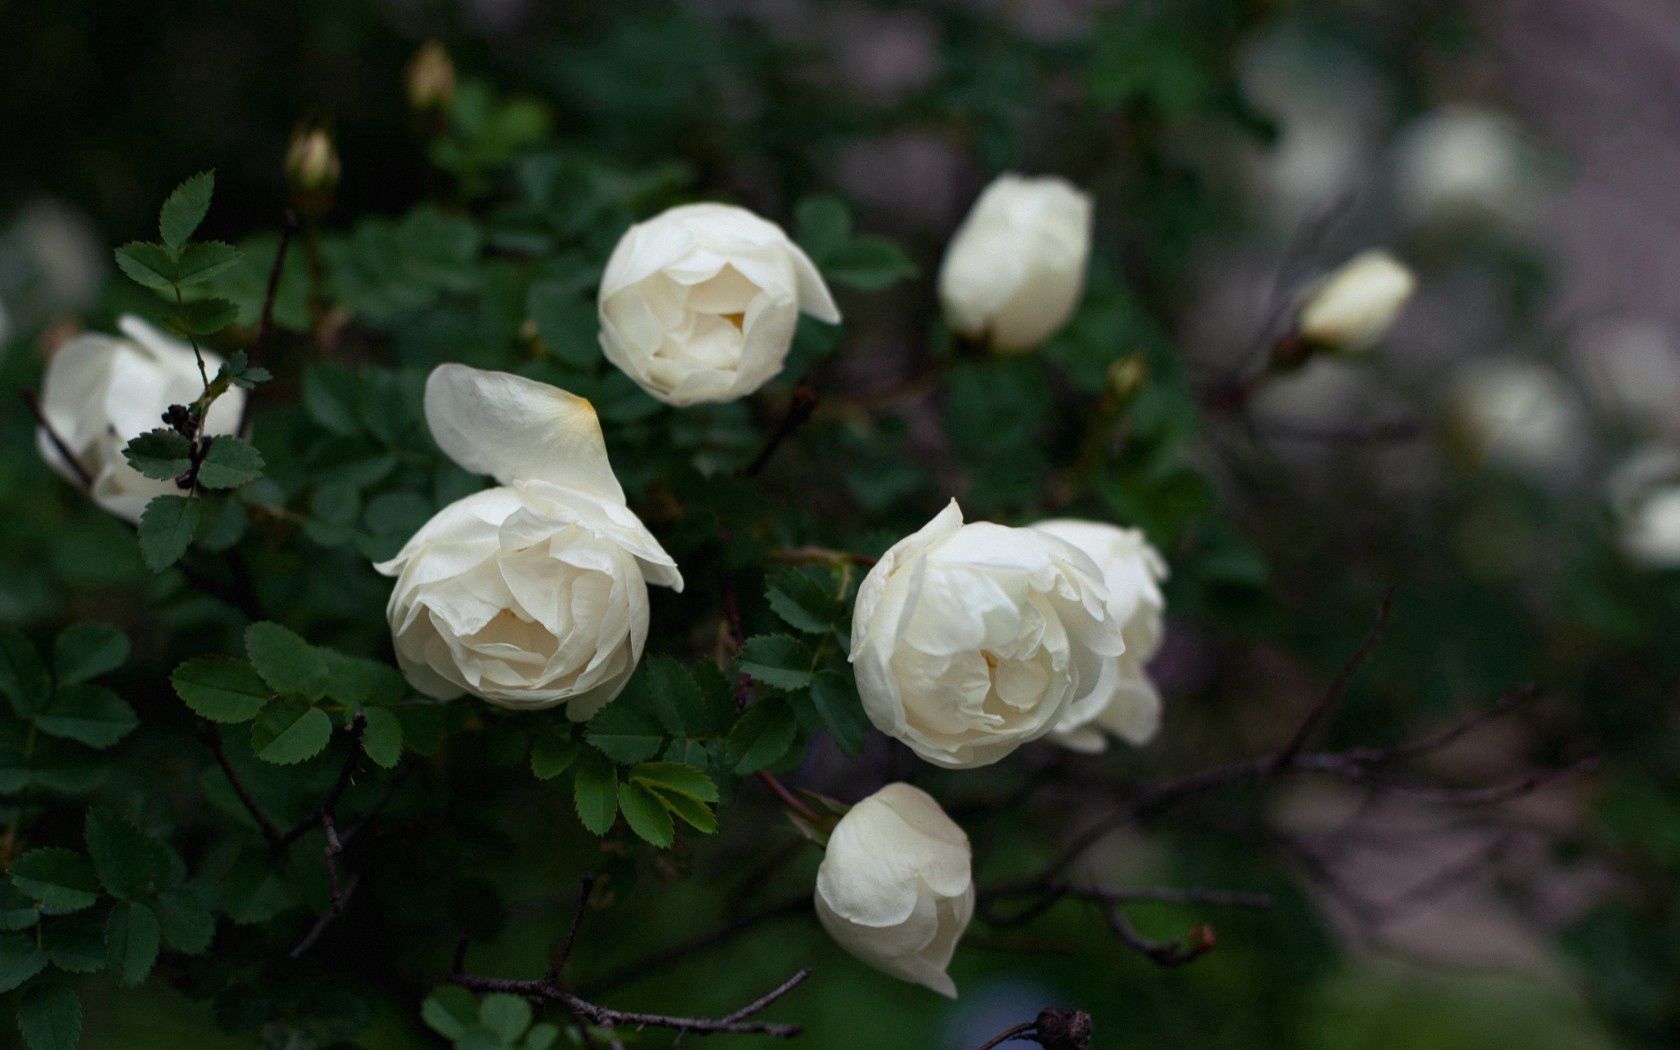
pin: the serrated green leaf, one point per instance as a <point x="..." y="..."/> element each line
<point x="286" y="662"/>
<point x="88" y="650"/>
<point x="60" y="880"/>
<point x="506" y="1015"/>
<point x="185" y="918"/>
<point x="201" y="317"/>
<point x="694" y="813"/>
<point x="17" y="909"/>
<point x="50" y="1016"/>
<point x="185" y="208"/>
<point x="645" y="814"/>
<point x="802" y="601"/>
<point x="75" y="944"/>
<point x="675" y="778"/>
<point x="229" y="463"/>
<point x="205" y="261"/>
<point x="551" y="756"/>
<point x="87" y="714"/>
<point x="132" y="938"/>
<point x="761" y="736"/>
<point x="715" y="713"/>
<point x="221" y="688"/>
<point x="160" y="453"/>
<point x="778" y="660"/>
<point x="148" y="264"/>
<point x="382" y="738"/>
<point x="359" y="682"/>
<point x="834" y="694"/>
<point x="290" y="731"/>
<point x="449" y="1011"/>
<point x="624" y="732"/>
<point x="20" y="959"/>
<point x="166" y="530"/>
<point x="123" y="857"/>
<point x="23" y="676"/>
<point x="595" y="793"/>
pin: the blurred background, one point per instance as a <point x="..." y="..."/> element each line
<point x="1509" y="460"/>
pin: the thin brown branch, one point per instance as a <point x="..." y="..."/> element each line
<point x="58" y="443"/>
<point x="789" y="799"/>
<point x="733" y="1023"/>
<point x="1338" y="685"/>
<point x="1026" y="1031"/>
<point x="558" y="966"/>
<point x="1195" y="944"/>
<point x="798" y="411"/>
<point x="270" y="832"/>
<point x="265" y="322"/>
<point x="727" y="932"/>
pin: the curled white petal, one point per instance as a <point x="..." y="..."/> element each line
<point x="895" y="887"/>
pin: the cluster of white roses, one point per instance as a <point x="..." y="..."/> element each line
<point x="968" y="640"/>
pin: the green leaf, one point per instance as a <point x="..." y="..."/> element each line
<point x="148" y="264"/>
<point x="645" y="814"/>
<point x="23" y="677"/>
<point x="541" y="1037"/>
<point x="125" y="858"/>
<point x="761" y="736"/>
<point x="290" y="731"/>
<point x="506" y="1015"/>
<point x="88" y="714"/>
<point x="205" y="261"/>
<point x="60" y="880"/>
<point x="160" y="453"/>
<point x="88" y="650"/>
<point x="869" y="264"/>
<point x="132" y="937"/>
<point x="449" y="1011"/>
<point x="802" y="601"/>
<point x="566" y="322"/>
<point x="20" y="959"/>
<point x="166" y="530"/>
<point x="778" y="660"/>
<point x="17" y="910"/>
<point x="75" y="944"/>
<point x="834" y="694"/>
<point x="187" y="923"/>
<point x="693" y="812"/>
<point x="624" y="732"/>
<point x="221" y="688"/>
<point x="823" y="225"/>
<point x="285" y="661"/>
<point x="595" y="792"/>
<point x="675" y="778"/>
<point x="383" y="737"/>
<point x="551" y="756"/>
<point x="50" y="1016"/>
<point x="229" y="463"/>
<point x="329" y="397"/>
<point x="201" y="317"/>
<point x="186" y="208"/>
<point x="358" y="682"/>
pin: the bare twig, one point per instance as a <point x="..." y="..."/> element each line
<point x="265" y="323"/>
<point x="1197" y="943"/>
<point x="1025" y="1031"/>
<point x="558" y="966"/>
<point x="798" y="411"/>
<point x="1338" y="685"/>
<point x="723" y="934"/>
<point x="58" y="442"/>
<point x="264" y="822"/>
<point x="327" y="818"/>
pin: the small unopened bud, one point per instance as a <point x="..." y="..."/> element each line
<point x="312" y="165"/>
<point x="1059" y="1029"/>
<point x="1127" y="376"/>
<point x="431" y="80"/>
<point x="1351" y="310"/>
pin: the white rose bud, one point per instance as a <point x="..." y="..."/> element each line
<point x="100" y="391"/>
<point x="700" y="302"/>
<point x="1126" y="703"/>
<point x="534" y="593"/>
<point x="895" y="887"/>
<point x="1015" y="268"/>
<point x="970" y="640"/>
<point x="1353" y="309"/>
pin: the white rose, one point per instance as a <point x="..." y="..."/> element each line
<point x="700" y="302"/>
<point x="1461" y="164"/>
<point x="1015" y="268"/>
<point x="1352" y="310"/>
<point x="970" y="640"/>
<point x="534" y="593"/>
<point x="895" y="887"/>
<point x="1520" y="414"/>
<point x="1645" y="494"/>
<point x="101" y="391"/>
<point x="1126" y="703"/>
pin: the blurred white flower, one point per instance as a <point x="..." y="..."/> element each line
<point x="1520" y="414"/>
<point x="1351" y="310"/>
<point x="700" y="303"/>
<point x="1645" y="495"/>
<point x="100" y="391"/>
<point x="1015" y="269"/>
<point x="970" y="640"/>
<point x="1632" y="370"/>
<point x="52" y="262"/>
<point x="1126" y="703"/>
<point x="1462" y="164"/>
<point x="895" y="887"/>
<point x="533" y="593"/>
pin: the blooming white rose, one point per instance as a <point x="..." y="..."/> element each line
<point x="1015" y="268"/>
<point x="895" y="887"/>
<point x="1352" y="310"/>
<point x="100" y="391"/>
<point x="700" y="302"/>
<point x="1126" y="703"/>
<point x="970" y="640"/>
<point x="534" y="593"/>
